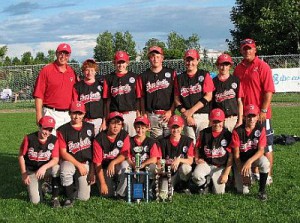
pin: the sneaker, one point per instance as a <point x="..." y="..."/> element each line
<point x="55" y="203"/>
<point x="68" y="203"/>
<point x="187" y="191"/>
<point x="262" y="196"/>
<point x="204" y="190"/>
<point x="254" y="178"/>
<point x="269" y="180"/>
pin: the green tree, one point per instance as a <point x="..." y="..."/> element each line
<point x="130" y="45"/>
<point x="3" y="51"/>
<point x="16" y="61"/>
<point x="104" y="49"/>
<point x="51" y="56"/>
<point x="27" y="58"/>
<point x="273" y="24"/>
<point x="7" y="61"/>
<point x="40" y="58"/>
<point x="176" y="46"/>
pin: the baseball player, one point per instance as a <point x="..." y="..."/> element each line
<point x="150" y="153"/>
<point x="193" y="92"/>
<point x="258" y="87"/>
<point x="178" y="151"/>
<point x="213" y="155"/>
<point x="54" y="86"/>
<point x="248" y="143"/>
<point x="38" y="158"/>
<point x="122" y="88"/>
<point x="89" y="91"/>
<point x="75" y="142"/>
<point x="158" y="93"/>
<point x="111" y="148"/>
<point x="228" y="93"/>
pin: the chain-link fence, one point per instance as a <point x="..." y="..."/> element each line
<point x="21" y="79"/>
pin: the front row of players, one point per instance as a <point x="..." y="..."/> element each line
<point x="70" y="160"/>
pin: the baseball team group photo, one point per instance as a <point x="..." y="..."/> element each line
<point x="158" y="139"/>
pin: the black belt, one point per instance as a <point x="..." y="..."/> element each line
<point x="56" y="109"/>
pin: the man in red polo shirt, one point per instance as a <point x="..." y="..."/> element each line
<point x="258" y="86"/>
<point x="53" y="87"/>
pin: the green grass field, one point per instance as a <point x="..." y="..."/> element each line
<point x="282" y="206"/>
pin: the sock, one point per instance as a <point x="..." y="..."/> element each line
<point x="262" y="181"/>
<point x="70" y="191"/>
<point x="55" y="186"/>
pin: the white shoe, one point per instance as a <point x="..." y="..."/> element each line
<point x="269" y="180"/>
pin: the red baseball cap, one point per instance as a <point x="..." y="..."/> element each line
<point x="47" y="122"/>
<point x="121" y="56"/>
<point x="142" y="119"/>
<point x="248" y="42"/>
<point x="156" y="49"/>
<point x="64" y="47"/>
<point x="217" y="114"/>
<point x="224" y="58"/>
<point x="176" y="120"/>
<point x="192" y="53"/>
<point x="115" y="114"/>
<point x="251" y="109"/>
<point x="77" y="106"/>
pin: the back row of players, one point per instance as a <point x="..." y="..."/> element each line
<point x="106" y="112"/>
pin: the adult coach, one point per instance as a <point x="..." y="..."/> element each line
<point x="54" y="86"/>
<point x="158" y="93"/>
<point x="193" y="92"/>
<point x="258" y="87"/>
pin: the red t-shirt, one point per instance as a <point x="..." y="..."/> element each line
<point x="256" y="80"/>
<point x="54" y="87"/>
<point x="98" y="151"/>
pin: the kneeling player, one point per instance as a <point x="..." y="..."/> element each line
<point x="38" y="158"/>
<point x="75" y="142"/>
<point x="248" y="143"/>
<point x="178" y="151"/>
<point x="213" y="155"/>
<point x="111" y="148"/>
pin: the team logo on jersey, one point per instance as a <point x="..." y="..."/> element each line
<point x="255" y="141"/>
<point x="168" y="75"/>
<point x="158" y="85"/>
<point x="257" y="133"/>
<point x="192" y="89"/>
<point x="138" y="149"/>
<point x="89" y="132"/>
<point x="184" y="149"/>
<point x="255" y="69"/>
<point x="120" y="143"/>
<point x="99" y="88"/>
<point x="224" y="142"/>
<point x="200" y="78"/>
<point x="146" y="149"/>
<point x="234" y="85"/>
<point x="51" y="146"/>
<point x="222" y="96"/>
<point x="131" y="80"/>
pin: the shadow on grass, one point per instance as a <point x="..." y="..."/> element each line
<point x="11" y="184"/>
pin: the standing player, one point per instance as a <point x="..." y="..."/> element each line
<point x="89" y="91"/>
<point x="38" y="158"/>
<point x="213" y="155"/>
<point x="54" y="86"/>
<point x="111" y="148"/>
<point x="193" y="92"/>
<point x="248" y="143"/>
<point x="228" y="93"/>
<point x="75" y="142"/>
<point x="258" y="87"/>
<point x="158" y="93"/>
<point x="122" y="88"/>
<point x="178" y="151"/>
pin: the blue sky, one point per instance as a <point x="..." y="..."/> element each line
<point x="41" y="25"/>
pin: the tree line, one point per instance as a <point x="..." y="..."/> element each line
<point x="273" y="24"/>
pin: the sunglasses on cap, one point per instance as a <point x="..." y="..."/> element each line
<point x="247" y="41"/>
<point x="63" y="53"/>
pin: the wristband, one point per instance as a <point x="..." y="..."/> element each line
<point x="203" y="101"/>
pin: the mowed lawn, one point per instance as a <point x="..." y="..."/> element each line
<point x="283" y="204"/>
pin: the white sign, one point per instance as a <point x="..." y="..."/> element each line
<point x="286" y="79"/>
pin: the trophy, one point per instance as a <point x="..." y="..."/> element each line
<point x="160" y="174"/>
<point x="136" y="190"/>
